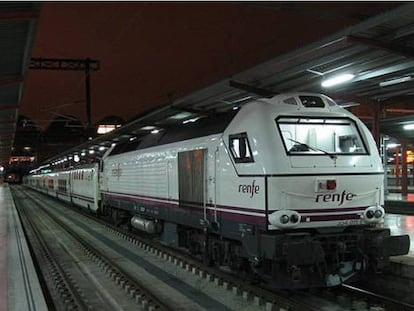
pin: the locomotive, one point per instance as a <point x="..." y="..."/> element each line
<point x="288" y="189"/>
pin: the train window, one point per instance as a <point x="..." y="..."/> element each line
<point x="62" y="185"/>
<point x="329" y="101"/>
<point x="304" y="135"/>
<point x="312" y="101"/>
<point x="240" y="148"/>
<point x="290" y="101"/>
<point x="132" y="145"/>
<point x="118" y="149"/>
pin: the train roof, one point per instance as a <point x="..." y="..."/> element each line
<point x="183" y="125"/>
<point x="208" y="125"/>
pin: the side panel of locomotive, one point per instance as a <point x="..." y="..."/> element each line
<point x="173" y="182"/>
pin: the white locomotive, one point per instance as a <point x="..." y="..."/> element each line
<point x="289" y="188"/>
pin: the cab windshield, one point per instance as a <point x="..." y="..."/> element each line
<point x="304" y="135"/>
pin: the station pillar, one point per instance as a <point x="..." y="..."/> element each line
<point x="376" y="110"/>
<point x="404" y="169"/>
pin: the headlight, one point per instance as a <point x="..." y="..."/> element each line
<point x="378" y="213"/>
<point x="294" y="218"/>
<point x="284" y="219"/>
<point x="374" y="214"/>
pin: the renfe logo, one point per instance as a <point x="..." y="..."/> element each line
<point x="335" y="197"/>
<point x="251" y="189"/>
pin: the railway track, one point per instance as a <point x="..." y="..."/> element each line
<point x="79" y="286"/>
<point x="207" y="287"/>
<point x="371" y="298"/>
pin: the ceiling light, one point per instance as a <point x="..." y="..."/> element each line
<point x="337" y="80"/>
<point x="148" y="128"/>
<point x="106" y="128"/>
<point x="191" y="120"/>
<point x="396" y="81"/>
<point x="241" y="99"/>
<point x="181" y="115"/>
<point x="409" y="127"/>
<point x="392" y="145"/>
<point x="348" y="104"/>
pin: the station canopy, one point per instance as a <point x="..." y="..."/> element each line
<point x="18" y="24"/>
<point x="378" y="53"/>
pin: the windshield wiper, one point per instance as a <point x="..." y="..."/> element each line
<point x="332" y="156"/>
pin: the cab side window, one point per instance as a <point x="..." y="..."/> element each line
<point x="240" y="148"/>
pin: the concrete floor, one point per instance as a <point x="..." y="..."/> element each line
<point x="401" y="224"/>
<point x="19" y="286"/>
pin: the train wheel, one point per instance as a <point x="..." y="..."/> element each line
<point x="116" y="219"/>
<point x="207" y="260"/>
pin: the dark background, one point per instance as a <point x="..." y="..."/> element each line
<point x="152" y="51"/>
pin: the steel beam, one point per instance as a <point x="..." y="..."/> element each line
<point x="252" y="89"/>
<point x="8" y="107"/>
<point x="11" y="80"/>
<point x="19" y="15"/>
<point x="389" y="47"/>
<point x="70" y="64"/>
<point x="8" y="122"/>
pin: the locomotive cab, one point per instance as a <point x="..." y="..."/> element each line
<point x="319" y="182"/>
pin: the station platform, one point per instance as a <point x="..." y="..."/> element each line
<point x="399" y="225"/>
<point x="19" y="286"/>
<point x="398" y="204"/>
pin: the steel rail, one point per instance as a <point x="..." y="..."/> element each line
<point x="391" y="303"/>
<point x="59" y="283"/>
<point x="142" y="295"/>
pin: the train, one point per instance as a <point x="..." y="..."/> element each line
<point x="288" y="190"/>
<point x="12" y="178"/>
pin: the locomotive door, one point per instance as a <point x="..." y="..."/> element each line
<point x="191" y="178"/>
